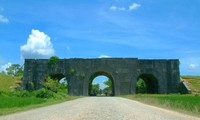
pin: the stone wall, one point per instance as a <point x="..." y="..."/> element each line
<point x="123" y="71"/>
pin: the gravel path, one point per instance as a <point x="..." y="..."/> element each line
<point x="99" y="108"/>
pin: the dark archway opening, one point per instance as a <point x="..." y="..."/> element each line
<point x="108" y="89"/>
<point x="147" y="84"/>
<point x="59" y="82"/>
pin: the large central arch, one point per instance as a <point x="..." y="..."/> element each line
<point x="99" y="73"/>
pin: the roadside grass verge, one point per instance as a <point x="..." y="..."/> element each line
<point x="12" y="104"/>
<point x="189" y="104"/>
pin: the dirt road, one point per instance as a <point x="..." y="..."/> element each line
<point x="99" y="108"/>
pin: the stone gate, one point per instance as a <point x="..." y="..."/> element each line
<point x="162" y="75"/>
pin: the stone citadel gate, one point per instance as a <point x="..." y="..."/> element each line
<point x="161" y="75"/>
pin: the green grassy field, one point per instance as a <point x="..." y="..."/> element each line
<point x="14" y="101"/>
<point x="189" y="104"/>
<point x="193" y="82"/>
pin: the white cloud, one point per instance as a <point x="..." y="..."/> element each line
<point x="3" y="19"/>
<point x="134" y="6"/>
<point x="104" y="56"/>
<point x="38" y="46"/>
<point x="190" y="65"/>
<point x="193" y="66"/>
<point x="131" y="7"/>
<point x="115" y="8"/>
<point x="3" y="67"/>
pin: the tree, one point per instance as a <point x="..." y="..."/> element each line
<point x="108" y="89"/>
<point x="95" y="89"/>
<point x="15" y="70"/>
<point x="141" y="86"/>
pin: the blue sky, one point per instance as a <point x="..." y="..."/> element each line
<point x="144" y="29"/>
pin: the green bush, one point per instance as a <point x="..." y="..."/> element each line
<point x="30" y="86"/>
<point x="141" y="86"/>
<point x="54" y="85"/>
<point x="53" y="60"/>
<point x="22" y="93"/>
<point x="51" y="84"/>
<point x="44" y="93"/>
<point x="62" y="88"/>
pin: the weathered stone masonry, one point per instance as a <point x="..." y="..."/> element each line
<point x="123" y="71"/>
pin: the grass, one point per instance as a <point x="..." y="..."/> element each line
<point x="189" y="104"/>
<point x="14" y="104"/>
<point x="193" y="82"/>
<point x="7" y="81"/>
<point x="12" y="101"/>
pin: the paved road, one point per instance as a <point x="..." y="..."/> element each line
<point x="99" y="108"/>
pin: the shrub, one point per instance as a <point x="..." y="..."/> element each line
<point x="44" y="93"/>
<point x="62" y="88"/>
<point x="141" y="86"/>
<point x="30" y="86"/>
<point x="51" y="84"/>
<point x="22" y="93"/>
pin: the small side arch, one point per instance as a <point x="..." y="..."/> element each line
<point x="61" y="79"/>
<point x="150" y="83"/>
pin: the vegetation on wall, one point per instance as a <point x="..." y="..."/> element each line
<point x="72" y="71"/>
<point x="53" y="60"/>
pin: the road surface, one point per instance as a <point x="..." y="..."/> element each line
<point x="99" y="108"/>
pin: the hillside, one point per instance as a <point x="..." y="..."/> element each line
<point x="7" y="82"/>
<point x="193" y="82"/>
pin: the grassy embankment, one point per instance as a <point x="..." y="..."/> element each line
<point x="193" y="82"/>
<point x="189" y="104"/>
<point x="6" y="82"/>
<point x="14" y="101"/>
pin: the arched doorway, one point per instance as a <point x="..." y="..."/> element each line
<point x="147" y="84"/>
<point x="110" y="88"/>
